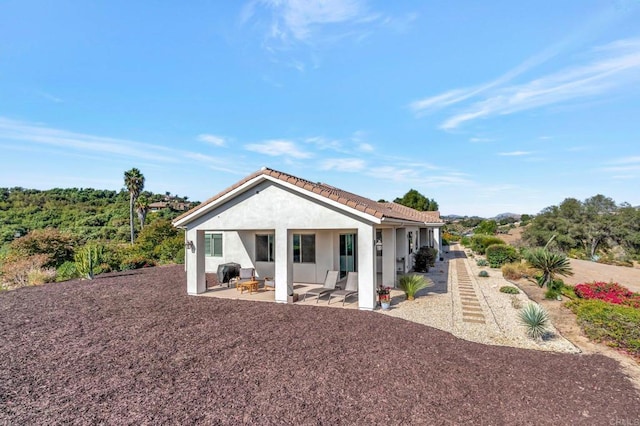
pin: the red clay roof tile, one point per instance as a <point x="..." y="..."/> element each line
<point x="373" y="208"/>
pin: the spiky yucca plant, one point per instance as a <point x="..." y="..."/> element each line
<point x="411" y="284"/>
<point x="549" y="264"/>
<point x="535" y="318"/>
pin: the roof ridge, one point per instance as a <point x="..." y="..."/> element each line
<point x="363" y="204"/>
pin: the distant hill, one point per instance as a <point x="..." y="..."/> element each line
<point x="90" y="213"/>
<point x="507" y="215"/>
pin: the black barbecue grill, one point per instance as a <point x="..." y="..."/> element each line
<point x="226" y="271"/>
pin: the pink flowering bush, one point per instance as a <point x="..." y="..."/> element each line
<point x="608" y="292"/>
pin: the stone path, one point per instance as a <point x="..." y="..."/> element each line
<point x="469" y="307"/>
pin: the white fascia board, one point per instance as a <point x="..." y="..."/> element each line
<point x="229" y="195"/>
<point x="247" y="185"/>
<point x="325" y="200"/>
<point x="403" y="223"/>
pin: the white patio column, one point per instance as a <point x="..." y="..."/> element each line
<point x="284" y="264"/>
<point x="196" y="279"/>
<point x="438" y="243"/>
<point x="389" y="257"/>
<point x="366" y="268"/>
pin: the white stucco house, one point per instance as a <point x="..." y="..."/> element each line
<point x="295" y="231"/>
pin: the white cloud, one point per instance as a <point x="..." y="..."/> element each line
<point x="620" y="69"/>
<point x="613" y="66"/>
<point x="24" y="132"/>
<point x="514" y="153"/>
<point x="297" y="18"/>
<point x="627" y="160"/>
<point x="365" y="147"/>
<point x="98" y="147"/>
<point x="343" y="164"/>
<point x="277" y="148"/>
<point x="212" y="139"/>
<point x="476" y="140"/>
<point x="324" y="143"/>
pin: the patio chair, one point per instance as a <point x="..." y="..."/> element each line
<point x="244" y="275"/>
<point x="350" y="289"/>
<point x="269" y="283"/>
<point x="328" y="287"/>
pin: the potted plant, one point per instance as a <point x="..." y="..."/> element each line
<point x="384" y="297"/>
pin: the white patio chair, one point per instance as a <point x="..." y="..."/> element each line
<point x="349" y="290"/>
<point x="329" y="286"/>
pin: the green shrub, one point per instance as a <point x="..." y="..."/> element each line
<point x="411" y="284"/>
<point x="88" y="260"/>
<point x="57" y="246"/>
<point x="41" y="276"/>
<point x="535" y="319"/>
<point x="483" y="274"/>
<point x="554" y="289"/>
<point x="465" y="241"/>
<point x="67" y="271"/>
<point x="170" y="250"/>
<point x="499" y="254"/>
<point x="616" y="325"/>
<point x="136" y="261"/>
<point x="509" y="289"/>
<point x="479" y="243"/>
<point x="575" y="253"/>
<point x="482" y="262"/>
<point x="424" y="258"/>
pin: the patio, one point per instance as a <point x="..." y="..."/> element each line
<point x="268" y="295"/>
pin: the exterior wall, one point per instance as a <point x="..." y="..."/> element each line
<point x="268" y="207"/>
<point x="272" y="208"/>
<point x="239" y="247"/>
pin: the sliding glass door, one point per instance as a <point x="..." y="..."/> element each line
<point x="348" y="254"/>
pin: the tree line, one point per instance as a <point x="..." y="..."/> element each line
<point x="588" y="229"/>
<point x="59" y="234"/>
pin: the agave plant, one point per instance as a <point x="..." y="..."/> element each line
<point x="549" y="264"/>
<point x="535" y="318"/>
<point x="411" y="284"/>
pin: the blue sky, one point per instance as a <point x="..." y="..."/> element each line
<point x="488" y="107"/>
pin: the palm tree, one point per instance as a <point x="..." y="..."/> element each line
<point x="550" y="264"/>
<point x="134" y="181"/>
<point x="142" y="208"/>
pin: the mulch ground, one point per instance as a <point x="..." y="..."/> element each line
<point x="132" y="348"/>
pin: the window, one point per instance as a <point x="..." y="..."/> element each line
<point x="264" y="248"/>
<point x="304" y="248"/>
<point x="213" y="245"/>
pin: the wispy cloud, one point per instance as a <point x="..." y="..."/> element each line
<point x="212" y="139"/>
<point x="343" y="164"/>
<point x="73" y="143"/>
<point x="278" y="148"/>
<point x="612" y="67"/>
<point x="365" y="147"/>
<point x="623" y="168"/>
<point x="478" y="140"/>
<point x="514" y="153"/>
<point x="38" y="134"/>
<point x="50" y="97"/>
<point x="323" y="143"/>
<point x="298" y="19"/>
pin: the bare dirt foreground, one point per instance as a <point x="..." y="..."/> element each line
<point x="134" y="349"/>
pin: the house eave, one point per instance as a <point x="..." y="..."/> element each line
<point x="184" y="221"/>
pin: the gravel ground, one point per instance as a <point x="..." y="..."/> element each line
<point x="134" y="349"/>
<point x="440" y="306"/>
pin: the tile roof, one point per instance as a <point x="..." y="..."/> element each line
<point x="362" y="204"/>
